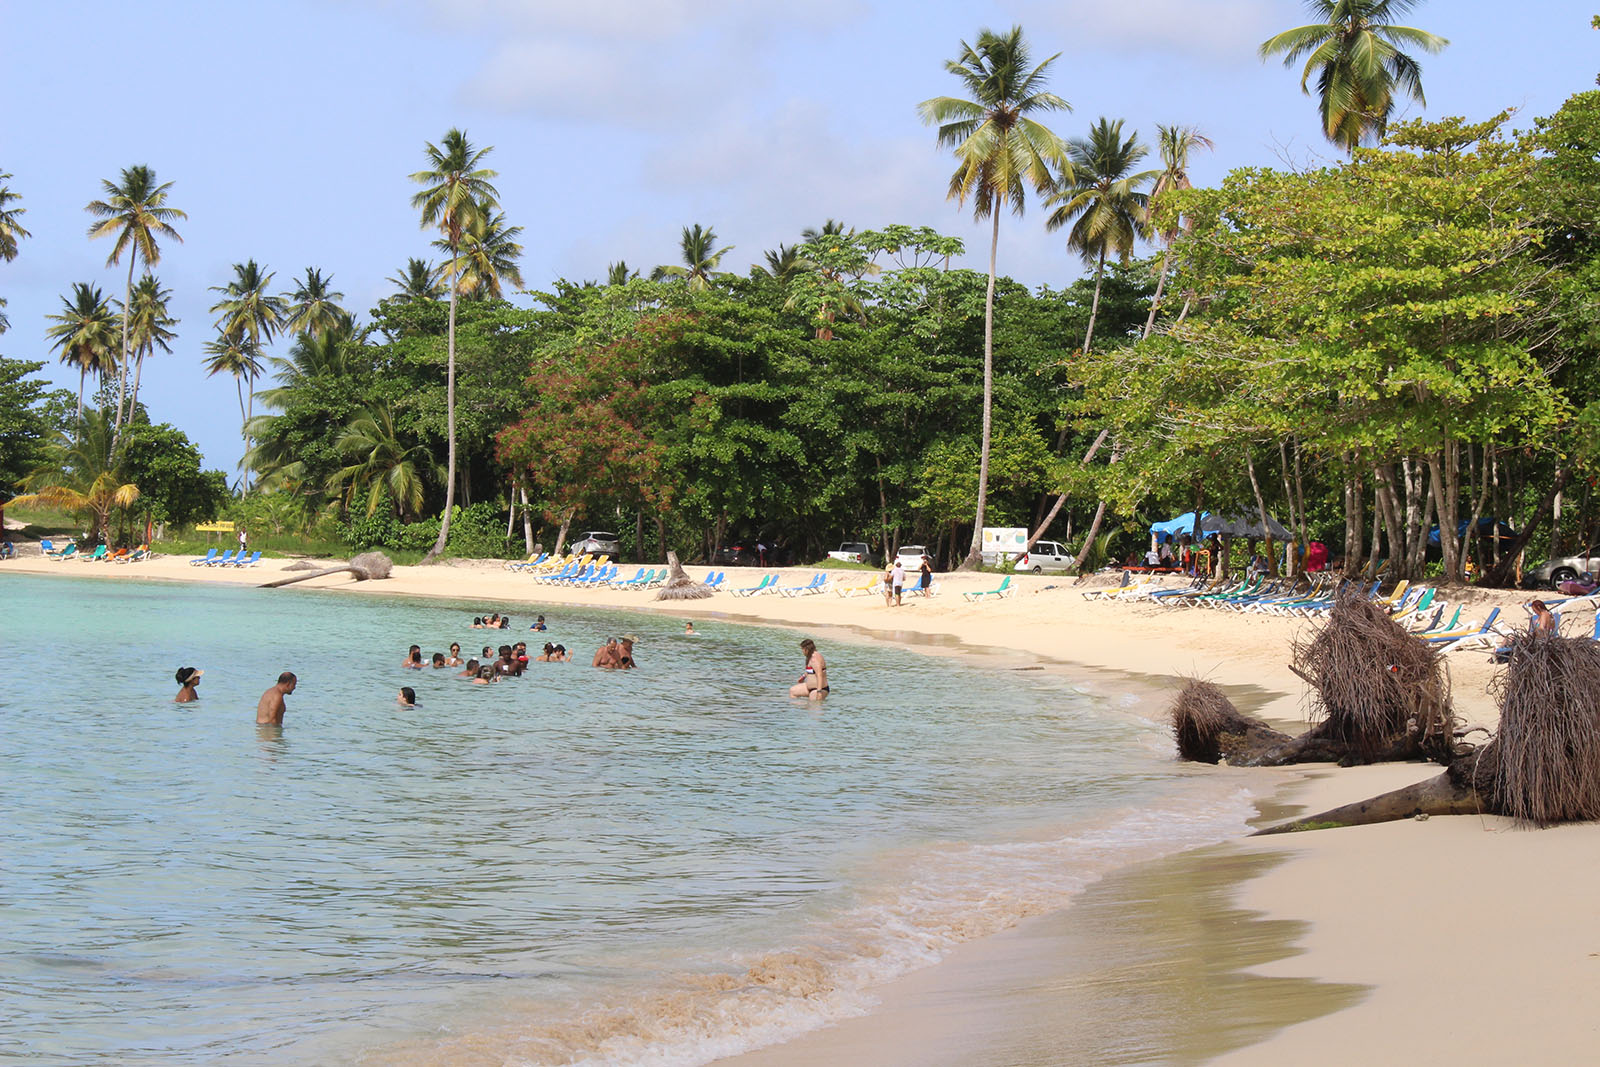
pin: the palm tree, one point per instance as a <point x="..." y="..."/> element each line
<point x="701" y="258"/>
<point x="455" y="188"/>
<point x="830" y="228"/>
<point x="135" y="211"/>
<point x="1000" y="150"/>
<point x="238" y="355"/>
<point x="80" y="474"/>
<point x="1174" y="143"/>
<point x="1355" y="52"/>
<point x="784" y="262"/>
<point x="488" y="254"/>
<point x="313" y="306"/>
<point x="248" y="317"/>
<point x="85" y="334"/>
<point x="417" y="280"/>
<point x="11" y="230"/>
<point x="618" y="273"/>
<point x="1101" y="192"/>
<point x="382" y="461"/>
<point x="149" y="328"/>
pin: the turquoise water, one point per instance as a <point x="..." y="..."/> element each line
<point x="658" y="866"/>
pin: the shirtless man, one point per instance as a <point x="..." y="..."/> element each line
<point x="607" y="654"/>
<point x="413" y="660"/>
<point x="188" y="678"/>
<point x="813" y="684"/>
<point x="270" y="708"/>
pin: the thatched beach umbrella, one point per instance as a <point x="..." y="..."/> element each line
<point x="679" y="585"/>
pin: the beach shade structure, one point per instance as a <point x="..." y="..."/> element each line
<point x="1489" y="528"/>
<point x="680" y="586"/>
<point x="1172" y="529"/>
<point x="367" y="566"/>
<point x="1244" y="526"/>
<point x="1542" y="767"/>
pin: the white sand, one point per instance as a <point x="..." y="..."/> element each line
<point x="1482" y="942"/>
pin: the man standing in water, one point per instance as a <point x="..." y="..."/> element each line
<point x="270" y="708"/>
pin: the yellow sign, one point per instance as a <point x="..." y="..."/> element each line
<point x="220" y="526"/>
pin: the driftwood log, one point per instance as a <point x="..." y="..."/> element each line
<point x="367" y="566"/>
<point x="679" y="585"/>
<point x="1542" y="768"/>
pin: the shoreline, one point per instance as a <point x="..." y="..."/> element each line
<point x="1388" y="908"/>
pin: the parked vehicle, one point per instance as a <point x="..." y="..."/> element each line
<point x="852" y="552"/>
<point x="598" y="542"/>
<point x="1045" y="557"/>
<point x="910" y="556"/>
<point x="1565" y="568"/>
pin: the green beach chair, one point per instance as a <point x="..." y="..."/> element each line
<point x="999" y="592"/>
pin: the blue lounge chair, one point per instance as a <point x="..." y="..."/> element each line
<point x="205" y="560"/>
<point x="223" y="560"/>
<point x="818" y="581"/>
<point x="251" y="561"/>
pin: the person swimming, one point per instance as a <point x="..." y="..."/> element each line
<point x="187" y="678"/>
<point x="560" y="654"/>
<point x="538" y="624"/>
<point x="413" y="660"/>
<point x="407" y="697"/>
<point x="625" y="654"/>
<point x="471" y="670"/>
<point x="486" y="676"/>
<point x="689" y="630"/>
<point x="813" y="683"/>
<point x="455" y="655"/>
<point x="438" y="660"/>
<point x="545" y="656"/>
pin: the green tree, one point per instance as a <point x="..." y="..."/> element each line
<point x="417" y="280"/>
<point x="235" y="354"/>
<point x="1355" y="51"/>
<point x="488" y="255"/>
<point x="173" y="484"/>
<point x="25" y="424"/>
<point x="11" y="232"/>
<point x="1000" y="150"/>
<point x="80" y="474"/>
<point x="382" y="463"/>
<point x="135" y="212"/>
<point x="455" y="189"/>
<point x="312" y="307"/>
<point x="701" y="258"/>
<point x="150" y="328"/>
<point x="248" y="317"/>
<point x="1100" y="195"/>
<point x="85" y="334"/>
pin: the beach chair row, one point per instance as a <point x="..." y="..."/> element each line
<point x="231" y="558"/>
<point x="101" y="554"/>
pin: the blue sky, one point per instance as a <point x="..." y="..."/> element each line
<point x="289" y="129"/>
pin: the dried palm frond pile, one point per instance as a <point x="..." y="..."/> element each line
<point x="1373" y="684"/>
<point x="1208" y="728"/>
<point x="679" y="585"/>
<point x="1543" y="765"/>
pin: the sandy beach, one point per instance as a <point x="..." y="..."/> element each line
<point x="1324" y="947"/>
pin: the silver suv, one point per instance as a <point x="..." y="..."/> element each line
<point x="1045" y="556"/>
<point x="1566" y="568"/>
<point x="599" y="542"/>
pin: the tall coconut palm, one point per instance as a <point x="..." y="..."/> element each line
<point x="1101" y="197"/>
<point x="149" y="327"/>
<point x="313" y="305"/>
<point x="248" y="317"/>
<point x="455" y="188"/>
<point x="135" y="212"/>
<point x="381" y="460"/>
<point x="1000" y="150"/>
<point x="85" y="334"/>
<point x="784" y="262"/>
<point x="1174" y="143"/>
<point x="701" y="258"/>
<point x="1355" y="51"/>
<point x="619" y="273"/>
<point x="238" y="355"/>
<point x="417" y="280"/>
<point x="487" y="256"/>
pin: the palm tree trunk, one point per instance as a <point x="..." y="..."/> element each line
<point x="975" y="553"/>
<point x="138" y="370"/>
<point x="122" y="367"/>
<point x="450" y="421"/>
<point x="1094" y="307"/>
<point x="83" y="374"/>
<point x="1155" y="301"/>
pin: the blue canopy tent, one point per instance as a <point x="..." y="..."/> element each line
<point x="1226" y="525"/>
<point x="1172" y="529"/>
<point x="1488" y="528"/>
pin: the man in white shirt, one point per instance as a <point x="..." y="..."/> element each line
<point x="897" y="580"/>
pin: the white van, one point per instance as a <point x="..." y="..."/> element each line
<point x="1045" y="557"/>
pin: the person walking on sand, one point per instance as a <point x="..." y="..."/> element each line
<point x="243" y="540"/>
<point x="188" y="678"/>
<point x="813" y="683"/>
<point x="898" y="580"/>
<point x="925" y="581"/>
<point x="270" y="708"/>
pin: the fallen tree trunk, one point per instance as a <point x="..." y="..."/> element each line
<point x="366" y="567"/>
<point x="1439" y="795"/>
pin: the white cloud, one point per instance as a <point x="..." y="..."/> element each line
<point x="1220" y="31"/>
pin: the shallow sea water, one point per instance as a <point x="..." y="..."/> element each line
<point x="660" y="866"/>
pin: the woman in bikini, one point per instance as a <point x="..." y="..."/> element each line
<point x="813" y="684"/>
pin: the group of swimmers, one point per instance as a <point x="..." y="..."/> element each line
<point x="496" y="621"/>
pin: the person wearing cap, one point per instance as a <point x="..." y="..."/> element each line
<point x="188" y="678"/>
<point x="625" y="654"/>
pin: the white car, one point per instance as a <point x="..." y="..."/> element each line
<point x="910" y="557"/>
<point x="1045" y="557"/>
<point x="1566" y="568"/>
